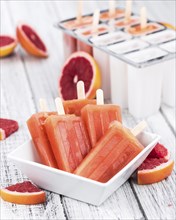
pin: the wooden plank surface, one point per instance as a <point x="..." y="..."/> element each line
<point x="25" y="79"/>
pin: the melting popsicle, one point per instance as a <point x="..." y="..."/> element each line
<point x="74" y="106"/>
<point x="98" y="117"/>
<point x="68" y="138"/>
<point x="112" y="153"/>
<point x="36" y="128"/>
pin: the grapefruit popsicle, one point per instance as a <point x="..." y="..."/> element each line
<point x="68" y="139"/>
<point x="74" y="106"/>
<point x="36" y="128"/>
<point x="113" y="152"/>
<point x="97" y="118"/>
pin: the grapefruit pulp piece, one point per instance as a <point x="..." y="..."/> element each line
<point x="79" y="66"/>
<point x="7" y="45"/>
<point x="156" y="166"/>
<point x="30" y="41"/>
<point x="24" y="193"/>
<point x="7" y="127"/>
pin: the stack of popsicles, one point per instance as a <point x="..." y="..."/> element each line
<point x="84" y="137"/>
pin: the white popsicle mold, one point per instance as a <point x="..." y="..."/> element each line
<point x="145" y="89"/>
<point x="102" y="60"/>
<point x="118" y="80"/>
<point x="168" y="94"/>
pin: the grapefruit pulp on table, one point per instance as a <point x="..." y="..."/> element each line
<point x="7" y="127"/>
<point x="7" y="45"/>
<point x="156" y="167"/>
<point x="30" y="41"/>
<point x="80" y="66"/>
<point x="23" y="193"/>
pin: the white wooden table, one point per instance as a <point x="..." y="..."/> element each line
<point x="25" y="79"/>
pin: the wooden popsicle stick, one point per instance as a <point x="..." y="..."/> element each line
<point x="139" y="128"/>
<point x="136" y="130"/>
<point x="96" y="18"/>
<point x="100" y="97"/>
<point x="59" y="106"/>
<point x="43" y="105"/>
<point x="80" y="90"/>
<point x="112" y="8"/>
<point x="128" y="10"/>
<point x="79" y="11"/>
<point x="143" y="18"/>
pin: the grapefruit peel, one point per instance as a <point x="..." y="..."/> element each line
<point x="6" y="50"/>
<point x="26" y="198"/>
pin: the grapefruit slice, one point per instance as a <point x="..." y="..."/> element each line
<point x="156" y="166"/>
<point x="79" y="66"/>
<point x="30" y="41"/>
<point x="154" y="170"/>
<point x="7" y="127"/>
<point x="24" y="193"/>
<point x="7" y="45"/>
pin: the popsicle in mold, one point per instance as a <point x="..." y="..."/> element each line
<point x="144" y="27"/>
<point x="68" y="138"/>
<point x="36" y="128"/>
<point x="70" y="43"/>
<point x="92" y="30"/>
<point x="116" y="148"/>
<point x="128" y="20"/>
<point x="97" y="118"/>
<point x="74" y="106"/>
<point x="112" y="13"/>
<point x="79" y="21"/>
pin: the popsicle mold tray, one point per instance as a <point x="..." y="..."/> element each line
<point x="138" y="50"/>
<point x="77" y="187"/>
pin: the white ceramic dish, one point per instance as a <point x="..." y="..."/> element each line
<point x="80" y="188"/>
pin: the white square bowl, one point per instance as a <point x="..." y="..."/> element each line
<point x="77" y="187"/>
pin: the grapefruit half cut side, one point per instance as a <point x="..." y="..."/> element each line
<point x="7" y="45"/>
<point x="24" y="193"/>
<point x="79" y="66"/>
<point x="30" y="41"/>
<point x="154" y="170"/>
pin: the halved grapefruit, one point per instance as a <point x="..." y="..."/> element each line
<point x="156" y="167"/>
<point x="7" y="45"/>
<point x="80" y="66"/>
<point x="24" y="193"/>
<point x="30" y="41"/>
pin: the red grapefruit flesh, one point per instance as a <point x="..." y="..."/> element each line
<point x="156" y="166"/>
<point x="159" y="151"/>
<point x="30" y="41"/>
<point x="23" y="193"/>
<point x="7" y="45"/>
<point x="7" y="127"/>
<point x="79" y="66"/>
